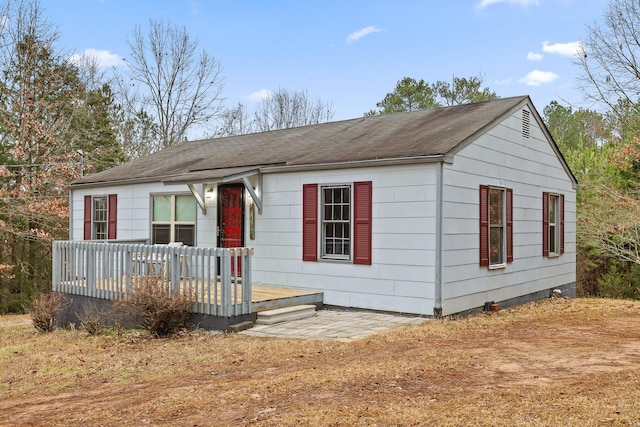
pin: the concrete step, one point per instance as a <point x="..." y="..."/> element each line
<point x="285" y="314"/>
<point x="239" y="327"/>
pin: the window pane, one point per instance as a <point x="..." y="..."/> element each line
<point x="337" y="212"/>
<point x="552" y="209"/>
<point x="345" y="195"/>
<point x="162" y="208"/>
<point x="345" y="212"/>
<point x="552" y="239"/>
<point x="185" y="208"/>
<point x="495" y="206"/>
<point x="495" y="245"/>
<point x="328" y="230"/>
<point x="328" y="249"/>
<point x="160" y="234"/>
<point x="328" y="195"/>
<point x="100" y="230"/>
<point x="327" y="212"/>
<point x="186" y="234"/>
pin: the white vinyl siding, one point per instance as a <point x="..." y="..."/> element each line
<point x="504" y="158"/>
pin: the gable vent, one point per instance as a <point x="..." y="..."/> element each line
<point x="526" y="123"/>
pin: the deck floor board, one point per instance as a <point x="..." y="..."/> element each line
<point x="260" y="293"/>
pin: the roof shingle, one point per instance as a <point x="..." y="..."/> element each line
<point x="430" y="132"/>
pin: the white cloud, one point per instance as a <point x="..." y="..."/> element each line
<point x="357" y="35"/>
<point x="532" y="56"/>
<point x="103" y="58"/>
<point x="486" y="3"/>
<point x="574" y="49"/>
<point x="537" y="78"/>
<point x="259" y="95"/>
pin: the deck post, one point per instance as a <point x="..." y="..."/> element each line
<point x="55" y="267"/>
<point x="174" y="268"/>
<point x="128" y="268"/>
<point x="90" y="257"/>
<point x="225" y="282"/>
<point x="246" y="281"/>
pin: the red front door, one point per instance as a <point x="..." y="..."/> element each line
<point x="230" y="219"/>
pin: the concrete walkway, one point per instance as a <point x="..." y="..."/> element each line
<point x="335" y="325"/>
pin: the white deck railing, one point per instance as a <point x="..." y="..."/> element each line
<point x="106" y="270"/>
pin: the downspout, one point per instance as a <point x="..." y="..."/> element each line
<point x="437" y="307"/>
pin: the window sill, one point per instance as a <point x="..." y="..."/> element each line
<point x="335" y="260"/>
<point x="497" y="266"/>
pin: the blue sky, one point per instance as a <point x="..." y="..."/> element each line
<point x="351" y="53"/>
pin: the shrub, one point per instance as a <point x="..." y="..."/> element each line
<point x="44" y="309"/>
<point x="620" y="281"/>
<point x="92" y="318"/>
<point x="154" y="306"/>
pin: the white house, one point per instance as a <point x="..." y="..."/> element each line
<point x="431" y="212"/>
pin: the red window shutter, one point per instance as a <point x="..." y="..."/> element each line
<point x="562" y="223"/>
<point x="362" y="197"/>
<point x="509" y="225"/>
<point x="484" y="225"/>
<point x="545" y="224"/>
<point x="112" y="219"/>
<point x="310" y="222"/>
<point x="87" y="217"/>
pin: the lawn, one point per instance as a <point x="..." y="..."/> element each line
<point x="555" y="362"/>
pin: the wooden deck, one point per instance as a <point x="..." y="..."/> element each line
<point x="263" y="297"/>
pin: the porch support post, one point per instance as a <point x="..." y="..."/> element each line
<point x="254" y="196"/>
<point x="198" y="197"/>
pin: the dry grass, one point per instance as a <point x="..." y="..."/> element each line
<point x="562" y="362"/>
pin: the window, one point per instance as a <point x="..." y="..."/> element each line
<point x="100" y="217"/>
<point x="336" y="222"/>
<point x="342" y="215"/>
<point x="496" y="226"/>
<point x="552" y="224"/>
<point x="173" y="219"/>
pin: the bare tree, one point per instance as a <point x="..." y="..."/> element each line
<point x="234" y="121"/>
<point x="284" y="109"/>
<point x="180" y="87"/>
<point x="611" y="55"/>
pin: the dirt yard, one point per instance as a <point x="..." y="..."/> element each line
<point x="556" y="362"/>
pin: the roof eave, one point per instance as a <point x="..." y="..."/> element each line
<point x="356" y="164"/>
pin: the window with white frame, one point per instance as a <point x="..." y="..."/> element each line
<point x="336" y="222"/>
<point x="173" y="219"/>
<point x="100" y="225"/>
<point x="552" y="224"/>
<point x="496" y="226"/>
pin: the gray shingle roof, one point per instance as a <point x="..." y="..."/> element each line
<point x="431" y="132"/>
